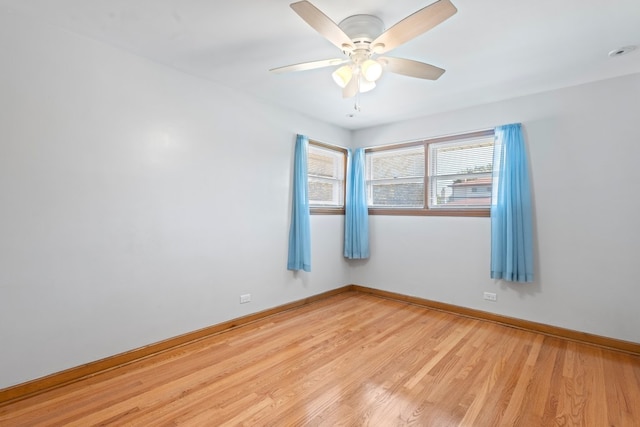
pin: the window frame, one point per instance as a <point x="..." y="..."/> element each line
<point x="329" y="210"/>
<point x="425" y="210"/>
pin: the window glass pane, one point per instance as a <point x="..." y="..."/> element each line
<point x="321" y="163"/>
<point x="320" y="192"/>
<point x="395" y="178"/>
<point x="402" y="163"/>
<point x="326" y="176"/>
<point x="410" y="194"/>
<point x="460" y="173"/>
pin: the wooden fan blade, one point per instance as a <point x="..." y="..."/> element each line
<point x="309" y="65"/>
<point x="414" y="25"/>
<point x="323" y="24"/>
<point x="351" y="89"/>
<point x="408" y="67"/>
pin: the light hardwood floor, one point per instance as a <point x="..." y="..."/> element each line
<point x="355" y="359"/>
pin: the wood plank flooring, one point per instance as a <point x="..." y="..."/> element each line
<point x="355" y="359"/>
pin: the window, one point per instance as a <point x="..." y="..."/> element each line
<point x="326" y="172"/>
<point x="459" y="172"/>
<point x="442" y="176"/>
<point x="395" y="178"/>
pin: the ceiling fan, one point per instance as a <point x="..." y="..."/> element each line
<point x="362" y="38"/>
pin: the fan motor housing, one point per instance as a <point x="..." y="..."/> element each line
<point x="362" y="29"/>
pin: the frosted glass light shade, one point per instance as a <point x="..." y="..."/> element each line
<point x="371" y="70"/>
<point x="342" y="75"/>
<point x="365" y="85"/>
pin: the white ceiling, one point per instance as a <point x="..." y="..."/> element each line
<point x="491" y="49"/>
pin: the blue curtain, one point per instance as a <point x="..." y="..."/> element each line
<point x="511" y="229"/>
<point x="356" y="219"/>
<point x="300" y="232"/>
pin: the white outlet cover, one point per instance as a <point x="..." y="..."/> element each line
<point x="490" y="296"/>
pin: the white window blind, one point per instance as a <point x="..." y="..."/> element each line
<point x="326" y="176"/>
<point x="395" y="178"/>
<point x="460" y="174"/>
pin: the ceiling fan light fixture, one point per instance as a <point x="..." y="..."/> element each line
<point x="360" y="37"/>
<point x="365" y="85"/>
<point x="342" y="76"/>
<point x="371" y="70"/>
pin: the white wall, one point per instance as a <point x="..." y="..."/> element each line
<point x="137" y="203"/>
<point x="584" y="153"/>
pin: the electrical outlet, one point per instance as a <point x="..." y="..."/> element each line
<point x="490" y="296"/>
<point x="245" y="298"/>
